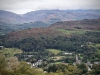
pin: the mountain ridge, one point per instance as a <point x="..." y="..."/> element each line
<point x="48" y="16"/>
<point x="9" y="17"/>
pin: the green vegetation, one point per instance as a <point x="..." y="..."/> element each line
<point x="55" y="47"/>
<point x="22" y="68"/>
<point x="54" y="69"/>
<point x="54" y="51"/>
<point x="10" y="52"/>
<point x="87" y="45"/>
<point x="55" y="58"/>
<point x="72" y="31"/>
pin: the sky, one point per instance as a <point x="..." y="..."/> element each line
<point x="24" y="6"/>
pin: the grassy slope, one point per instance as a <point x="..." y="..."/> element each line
<point x="10" y="52"/>
<point x="72" y="31"/>
<point x="55" y="58"/>
<point x="98" y="48"/>
<point x="54" y="51"/>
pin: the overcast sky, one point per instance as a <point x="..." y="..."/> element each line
<point x="23" y="6"/>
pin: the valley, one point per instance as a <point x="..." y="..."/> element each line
<point x="61" y="47"/>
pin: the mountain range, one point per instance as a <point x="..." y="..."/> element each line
<point x="48" y="16"/>
<point x="42" y="18"/>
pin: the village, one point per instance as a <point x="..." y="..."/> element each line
<point x="77" y="61"/>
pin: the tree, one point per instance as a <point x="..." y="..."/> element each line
<point x="2" y="63"/>
<point x="83" y="68"/>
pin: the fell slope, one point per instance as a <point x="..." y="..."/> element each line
<point x="92" y="24"/>
<point x="52" y="16"/>
<point x="10" y="17"/>
<point x="48" y="16"/>
<point x="53" y="30"/>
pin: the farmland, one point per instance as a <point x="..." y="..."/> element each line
<point x="54" y="51"/>
<point x="10" y="52"/>
<point x="72" y="31"/>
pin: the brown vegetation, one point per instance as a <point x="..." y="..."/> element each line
<point x="93" y="24"/>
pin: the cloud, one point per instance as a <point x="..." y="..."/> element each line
<point x="48" y="4"/>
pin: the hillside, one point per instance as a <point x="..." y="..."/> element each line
<point x="48" y="16"/>
<point x="63" y="43"/>
<point x="34" y="32"/>
<point x="57" y="29"/>
<point x="5" y="27"/>
<point x="52" y="16"/>
<point x="43" y="18"/>
<point x="88" y="24"/>
<point x="10" y="17"/>
<point x="50" y="42"/>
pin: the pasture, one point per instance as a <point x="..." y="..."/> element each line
<point x="10" y="52"/>
<point x="54" y="51"/>
<point x="72" y="31"/>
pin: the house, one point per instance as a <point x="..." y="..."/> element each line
<point x="68" y="53"/>
<point x="36" y="64"/>
<point x="1" y="47"/>
<point x="89" y="64"/>
<point x="89" y="69"/>
<point x="82" y="45"/>
<point x="96" y="62"/>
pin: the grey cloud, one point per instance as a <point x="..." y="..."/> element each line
<point x="49" y="4"/>
<point x="11" y="4"/>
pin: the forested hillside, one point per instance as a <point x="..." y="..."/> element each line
<point x="58" y="29"/>
<point x="71" y="36"/>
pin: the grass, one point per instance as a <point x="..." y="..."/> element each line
<point x="58" y="62"/>
<point x="59" y="57"/>
<point x="99" y="51"/>
<point x="98" y="48"/>
<point x="55" y="58"/>
<point x="72" y="31"/>
<point x="80" y="56"/>
<point x="39" y="69"/>
<point x="55" y="63"/>
<point x="98" y="45"/>
<point x="54" y="51"/>
<point x="10" y="51"/>
<point x="80" y="31"/>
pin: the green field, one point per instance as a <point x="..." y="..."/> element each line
<point x="54" y="51"/>
<point x="98" y="48"/>
<point x="59" y="57"/>
<point x="72" y="31"/>
<point x="10" y="52"/>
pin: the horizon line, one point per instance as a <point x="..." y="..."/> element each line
<point x="43" y="10"/>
